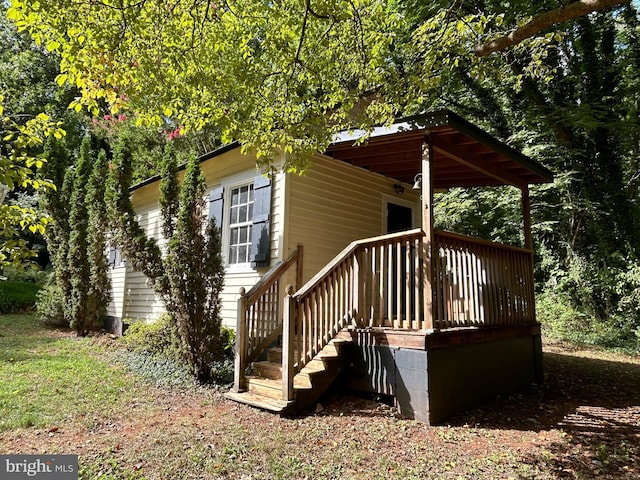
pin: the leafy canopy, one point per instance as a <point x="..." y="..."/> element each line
<point x="19" y="168"/>
<point x="279" y="76"/>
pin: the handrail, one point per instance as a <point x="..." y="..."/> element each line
<point x="480" y="241"/>
<point x="271" y="276"/>
<point x="481" y="283"/>
<point x="259" y="320"/>
<point x="321" y="275"/>
<point x="340" y="293"/>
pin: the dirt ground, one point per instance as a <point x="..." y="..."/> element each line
<point x="584" y="422"/>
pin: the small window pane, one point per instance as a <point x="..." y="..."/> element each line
<point x="242" y="254"/>
<point x="242" y="213"/>
<point x="240" y="216"/>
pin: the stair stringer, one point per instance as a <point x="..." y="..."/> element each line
<point x="319" y="374"/>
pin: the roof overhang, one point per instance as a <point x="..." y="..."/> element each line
<point x="463" y="154"/>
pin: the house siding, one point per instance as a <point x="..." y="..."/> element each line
<point x="324" y="210"/>
<point x="336" y="203"/>
<point x="118" y="277"/>
<point x="137" y="298"/>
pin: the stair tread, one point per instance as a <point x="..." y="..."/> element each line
<point x="268" y="364"/>
<point x="267" y="382"/>
<point x="250" y="398"/>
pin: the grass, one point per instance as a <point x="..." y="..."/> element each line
<point x="63" y="394"/>
<point x="48" y="378"/>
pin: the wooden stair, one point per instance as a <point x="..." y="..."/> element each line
<point x="264" y="387"/>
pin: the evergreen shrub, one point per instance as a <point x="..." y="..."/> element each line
<point x="50" y="306"/>
<point x="158" y="339"/>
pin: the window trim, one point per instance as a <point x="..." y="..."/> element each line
<point x="229" y="184"/>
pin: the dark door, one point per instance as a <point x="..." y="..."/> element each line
<point x="399" y="219"/>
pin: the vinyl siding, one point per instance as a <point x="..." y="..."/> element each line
<point x="139" y="300"/>
<point x="118" y="276"/>
<point x="336" y="203"/>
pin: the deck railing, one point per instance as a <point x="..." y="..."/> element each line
<point x="260" y="316"/>
<point x="480" y="283"/>
<point x="378" y="282"/>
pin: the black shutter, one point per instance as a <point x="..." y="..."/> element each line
<point x="112" y="257"/>
<point x="215" y="205"/>
<point x="260" y="244"/>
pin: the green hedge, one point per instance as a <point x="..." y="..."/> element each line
<point x="16" y="297"/>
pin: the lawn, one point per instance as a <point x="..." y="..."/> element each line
<point x="63" y="394"/>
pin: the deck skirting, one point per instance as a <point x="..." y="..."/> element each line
<point x="434" y="374"/>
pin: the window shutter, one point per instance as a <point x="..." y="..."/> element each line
<point x="260" y="244"/>
<point x="215" y="205"/>
<point x="112" y="257"/>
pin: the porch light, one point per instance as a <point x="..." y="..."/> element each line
<point x="417" y="182"/>
<point x="399" y="189"/>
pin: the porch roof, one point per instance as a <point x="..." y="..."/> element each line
<point x="463" y="154"/>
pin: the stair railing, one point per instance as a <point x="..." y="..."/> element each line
<point x="259" y="321"/>
<point x="372" y="282"/>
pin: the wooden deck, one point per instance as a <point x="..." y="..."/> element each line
<point x="372" y="294"/>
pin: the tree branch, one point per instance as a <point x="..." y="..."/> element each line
<point x="543" y="21"/>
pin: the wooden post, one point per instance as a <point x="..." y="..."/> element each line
<point x="241" y="343"/>
<point x="427" y="228"/>
<point x="288" y="339"/>
<point x="526" y="214"/>
<point x="359" y="273"/>
<point x="299" y="265"/>
<point x="528" y="244"/>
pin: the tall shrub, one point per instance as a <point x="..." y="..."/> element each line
<point x="189" y="277"/>
<point x="78" y="261"/>
<point x="99" y="293"/>
<point x="196" y="275"/>
<point x="52" y="300"/>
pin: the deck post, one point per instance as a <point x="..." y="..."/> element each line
<point x="288" y="338"/>
<point x="427" y="228"/>
<point x="526" y="215"/>
<point x="241" y="343"/>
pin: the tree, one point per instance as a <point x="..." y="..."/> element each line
<point x="99" y="292"/>
<point x="273" y="75"/>
<point x="189" y="276"/>
<point x="196" y="274"/>
<point x="19" y="168"/>
<point x="32" y="109"/>
<point x="77" y="256"/>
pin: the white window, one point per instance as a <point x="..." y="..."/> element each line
<point x="240" y="224"/>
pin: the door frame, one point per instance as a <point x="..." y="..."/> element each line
<point x="413" y="205"/>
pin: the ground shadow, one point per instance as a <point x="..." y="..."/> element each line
<point x="596" y="403"/>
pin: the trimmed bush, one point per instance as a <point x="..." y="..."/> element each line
<point x="158" y="339"/>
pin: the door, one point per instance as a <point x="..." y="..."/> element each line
<point x="400" y="219"/>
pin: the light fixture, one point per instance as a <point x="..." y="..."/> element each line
<point x="399" y="189"/>
<point x="417" y="182"/>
